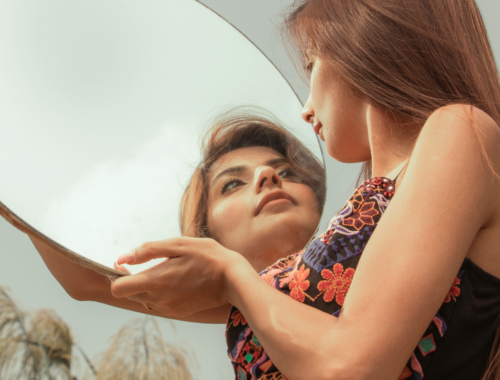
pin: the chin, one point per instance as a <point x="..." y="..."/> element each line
<point x="347" y="156"/>
<point x="290" y="231"/>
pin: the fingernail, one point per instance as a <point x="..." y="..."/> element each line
<point x="125" y="259"/>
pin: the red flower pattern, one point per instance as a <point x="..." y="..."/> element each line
<point x="363" y="217"/>
<point x="337" y="283"/>
<point x="454" y="291"/>
<point x="238" y="318"/>
<point x="327" y="237"/>
<point x="299" y="284"/>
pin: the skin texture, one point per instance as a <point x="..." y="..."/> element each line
<point x="446" y="209"/>
<point x="233" y="218"/>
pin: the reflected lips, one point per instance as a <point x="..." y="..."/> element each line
<point x="272" y="196"/>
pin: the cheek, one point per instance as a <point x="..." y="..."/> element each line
<point x="345" y="133"/>
<point x="225" y="218"/>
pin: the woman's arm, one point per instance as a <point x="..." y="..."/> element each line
<point x="407" y="268"/>
<point x="84" y="284"/>
<point x="447" y="196"/>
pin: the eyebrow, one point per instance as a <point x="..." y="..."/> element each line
<point x="241" y="168"/>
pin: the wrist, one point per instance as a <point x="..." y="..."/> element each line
<point x="237" y="274"/>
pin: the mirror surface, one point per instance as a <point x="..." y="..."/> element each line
<point x="102" y="105"/>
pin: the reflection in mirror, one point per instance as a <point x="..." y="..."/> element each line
<point x="101" y="109"/>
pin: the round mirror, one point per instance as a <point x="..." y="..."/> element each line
<point x="102" y="106"/>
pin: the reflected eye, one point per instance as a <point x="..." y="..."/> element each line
<point x="231" y="184"/>
<point x="287" y="173"/>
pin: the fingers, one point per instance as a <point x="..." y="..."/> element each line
<point x="131" y="285"/>
<point x="143" y="298"/>
<point x="121" y="268"/>
<point x="157" y="249"/>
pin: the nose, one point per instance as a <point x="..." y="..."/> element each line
<point x="266" y="176"/>
<point x="308" y="111"/>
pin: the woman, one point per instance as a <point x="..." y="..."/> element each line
<point x="392" y="83"/>
<point x="243" y="144"/>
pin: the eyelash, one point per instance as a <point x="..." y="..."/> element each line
<point x="308" y="67"/>
<point x="228" y="182"/>
<point x="287" y="171"/>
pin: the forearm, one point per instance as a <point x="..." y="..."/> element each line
<point x="84" y="284"/>
<point x="299" y="339"/>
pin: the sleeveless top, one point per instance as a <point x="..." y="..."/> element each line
<point x="457" y="343"/>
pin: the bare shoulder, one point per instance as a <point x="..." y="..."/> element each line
<point x="458" y="123"/>
<point x="458" y="150"/>
<point x="460" y="139"/>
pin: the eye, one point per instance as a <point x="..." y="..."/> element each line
<point x="308" y="67"/>
<point x="287" y="173"/>
<point x="231" y="184"/>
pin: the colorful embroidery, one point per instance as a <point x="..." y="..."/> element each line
<point x="405" y="374"/>
<point x="299" y="284"/>
<point x="323" y="273"/>
<point x="238" y="318"/>
<point x="337" y="283"/>
<point x="363" y="217"/>
<point x="427" y="345"/>
<point x="454" y="291"/>
<point x="326" y="237"/>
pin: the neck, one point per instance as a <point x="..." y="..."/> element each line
<point x="391" y="142"/>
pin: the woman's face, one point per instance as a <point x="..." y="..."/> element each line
<point x="258" y="207"/>
<point x="338" y="116"/>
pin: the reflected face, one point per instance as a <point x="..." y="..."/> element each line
<point x="337" y="114"/>
<point x="258" y="207"/>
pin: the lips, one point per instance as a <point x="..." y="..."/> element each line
<point x="272" y="196"/>
<point x="317" y="129"/>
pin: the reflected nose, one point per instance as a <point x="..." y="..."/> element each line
<point x="266" y="177"/>
<point x="308" y="111"/>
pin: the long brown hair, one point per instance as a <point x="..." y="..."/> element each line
<point x="406" y="57"/>
<point x="240" y="128"/>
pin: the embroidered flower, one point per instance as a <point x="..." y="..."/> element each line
<point x="299" y="284"/>
<point x="357" y="200"/>
<point x="363" y="217"/>
<point x="327" y="237"/>
<point x="269" y="276"/>
<point x="287" y="275"/>
<point x="337" y="283"/>
<point x="454" y="291"/>
<point x="237" y="317"/>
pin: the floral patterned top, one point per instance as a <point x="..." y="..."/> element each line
<point x="456" y="344"/>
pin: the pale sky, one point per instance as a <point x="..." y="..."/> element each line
<point x="33" y="286"/>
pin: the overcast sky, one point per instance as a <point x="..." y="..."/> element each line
<point x="92" y="324"/>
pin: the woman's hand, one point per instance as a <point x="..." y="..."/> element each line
<point x="191" y="279"/>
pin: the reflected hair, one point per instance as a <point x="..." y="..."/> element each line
<point x="237" y="128"/>
<point x="407" y="58"/>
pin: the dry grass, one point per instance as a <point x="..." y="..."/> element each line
<point x="139" y="352"/>
<point x="37" y="347"/>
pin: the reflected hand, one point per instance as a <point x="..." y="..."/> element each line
<point x="191" y="279"/>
